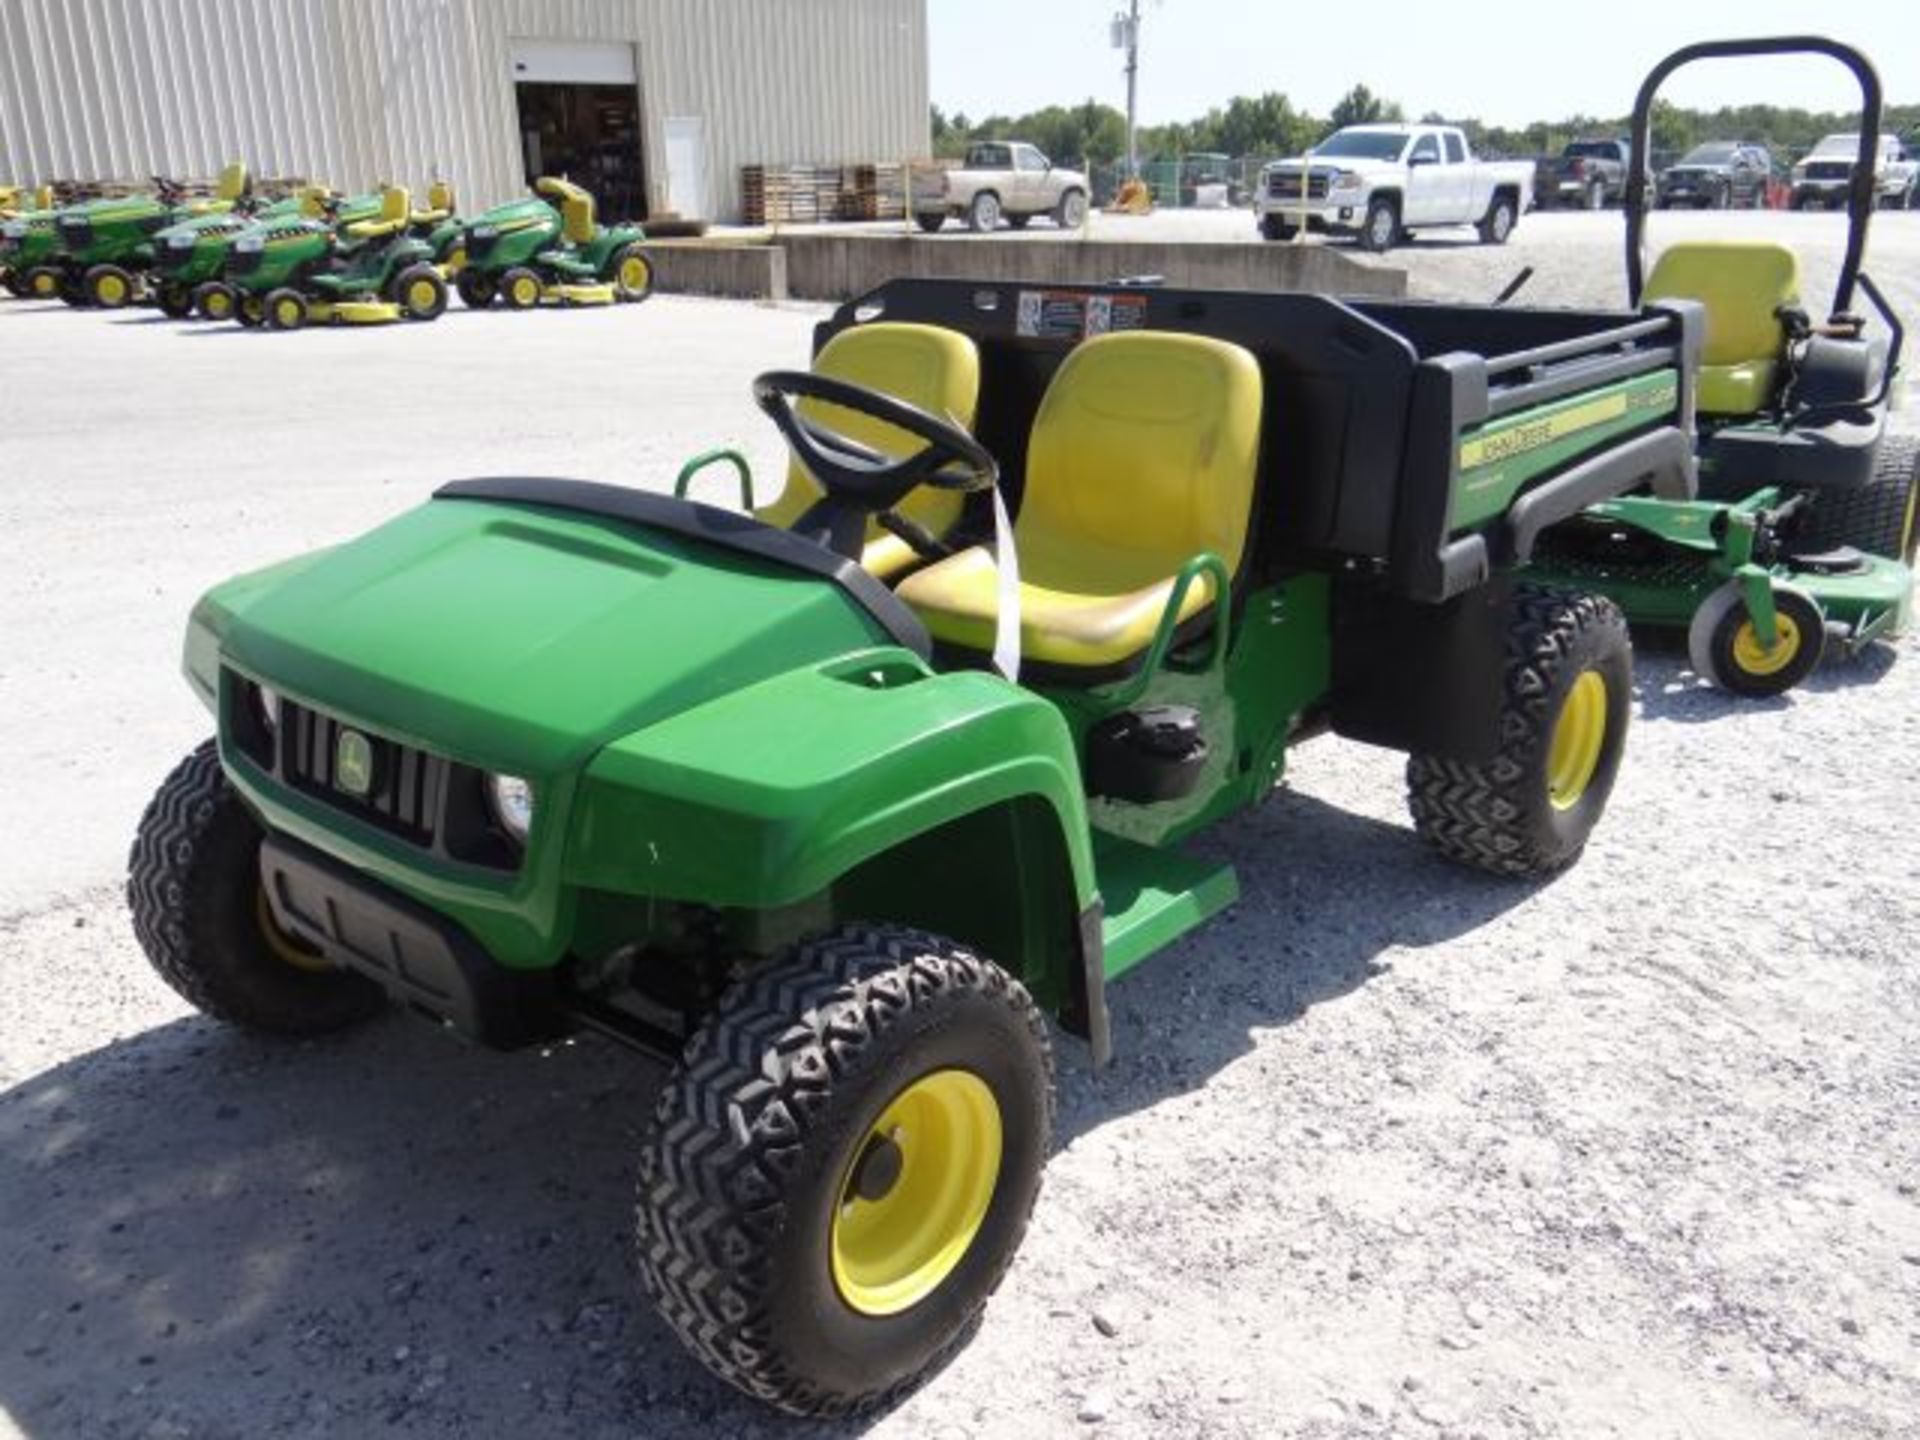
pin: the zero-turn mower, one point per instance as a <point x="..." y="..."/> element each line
<point x="331" y="268"/>
<point x="1805" y="534"/>
<point x="832" y="813"/>
<point x="528" y="253"/>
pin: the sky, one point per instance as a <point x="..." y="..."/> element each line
<point x="1465" y="60"/>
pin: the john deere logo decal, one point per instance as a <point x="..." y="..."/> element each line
<point x="353" y="763"/>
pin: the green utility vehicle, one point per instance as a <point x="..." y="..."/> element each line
<point x="104" y="248"/>
<point x="832" y="815"/>
<point x="1807" y="526"/>
<point x="334" y="269"/>
<point x="27" y="242"/>
<point x="528" y="252"/>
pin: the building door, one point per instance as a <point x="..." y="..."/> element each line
<point x="579" y="108"/>
<point x="686" y="137"/>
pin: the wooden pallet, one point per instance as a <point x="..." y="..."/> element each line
<point x="808" y="194"/>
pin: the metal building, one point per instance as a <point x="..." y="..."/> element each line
<point x="656" y="104"/>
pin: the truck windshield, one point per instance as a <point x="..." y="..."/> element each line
<point x="1717" y="154"/>
<point x="1593" y="149"/>
<point x="1838" y="145"/>
<point x="1361" y="145"/>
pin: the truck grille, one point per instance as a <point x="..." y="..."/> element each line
<point x="1828" y="169"/>
<point x="405" y="795"/>
<point x="76" y="233"/>
<point x="1282" y="185"/>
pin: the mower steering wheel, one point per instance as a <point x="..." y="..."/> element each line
<point x="857" y="474"/>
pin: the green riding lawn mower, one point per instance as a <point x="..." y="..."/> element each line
<point x="832" y="805"/>
<point x="26" y="237"/>
<point x="529" y="253"/>
<point x="103" y="250"/>
<point x="333" y="268"/>
<point x="189" y="258"/>
<point x="1805" y="534"/>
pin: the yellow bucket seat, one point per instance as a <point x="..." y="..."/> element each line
<point x="1144" y="454"/>
<point x="396" y="207"/>
<point x="439" y="205"/>
<point x="233" y="183"/>
<point x="576" y="207"/>
<point x="1742" y="283"/>
<point x="935" y="369"/>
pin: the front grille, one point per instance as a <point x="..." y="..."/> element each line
<point x="1286" y="186"/>
<point x="169" y="259"/>
<point x="76" y="234"/>
<point x="245" y="262"/>
<point x="407" y="786"/>
<point x="481" y="246"/>
<point x="1828" y="170"/>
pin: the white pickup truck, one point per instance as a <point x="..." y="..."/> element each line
<point x="1377" y="182"/>
<point x="1001" y="180"/>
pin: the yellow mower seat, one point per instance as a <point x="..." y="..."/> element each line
<point x="233" y="183"/>
<point x="927" y="366"/>
<point x="396" y="207"/>
<point x="439" y="205"/>
<point x="576" y="208"/>
<point x="1144" y="454"/>
<point x="1741" y="282"/>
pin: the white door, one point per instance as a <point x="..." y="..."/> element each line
<point x="686" y="146"/>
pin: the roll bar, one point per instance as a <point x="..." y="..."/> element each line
<point x="1859" y="188"/>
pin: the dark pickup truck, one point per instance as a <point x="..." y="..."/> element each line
<point x="1588" y="174"/>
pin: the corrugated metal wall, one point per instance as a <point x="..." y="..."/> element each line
<point x="354" y="91"/>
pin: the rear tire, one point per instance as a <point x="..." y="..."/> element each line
<point x="928" y="221"/>
<point x="420" y="292"/>
<point x="1724" y="650"/>
<point x="766" y="1167"/>
<point x="251" y="311"/>
<point x="200" y="914"/>
<point x="1596" y="196"/>
<point x="44" y="282"/>
<point x="983" y="213"/>
<point x="16" y="284"/>
<point x="1071" y="212"/>
<point x="108" y="287"/>
<point x="1881" y="517"/>
<point x="1496" y="226"/>
<point x="1562" y="731"/>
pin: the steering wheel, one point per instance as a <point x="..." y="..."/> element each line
<point x="859" y="480"/>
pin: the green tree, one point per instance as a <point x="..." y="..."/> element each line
<point x="1360" y="106"/>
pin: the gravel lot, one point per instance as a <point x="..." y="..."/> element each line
<point x="1391" y="1149"/>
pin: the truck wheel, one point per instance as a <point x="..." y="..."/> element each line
<point x="1880" y="516"/>
<point x="1381" y="227"/>
<point x="983" y="214"/>
<point x="286" y="309"/>
<point x="214" y="301"/>
<point x="1563" y="727"/>
<point x="1724" y="649"/>
<point x="201" y="915"/>
<point x="842" y="1165"/>
<point x="1071" y="212"/>
<point x="929" y="221"/>
<point x="1275" y="228"/>
<point x="175" y="300"/>
<point x="420" y="292"/>
<point x="632" y="275"/>
<point x="1497" y="224"/>
<point x="108" y="286"/>
<point x="476" y="289"/>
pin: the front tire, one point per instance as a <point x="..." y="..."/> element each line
<point x="476" y="289"/>
<point x="929" y="221"/>
<point x="520" y="288"/>
<point x="420" y="293"/>
<point x="1381" y="228"/>
<point x="1071" y="212"/>
<point x="983" y="213"/>
<point x="632" y="275"/>
<point x="175" y="301"/>
<point x="108" y="287"/>
<point x="1725" y="649"/>
<point x="251" y="311"/>
<point x="841" y="1167"/>
<point x="286" y="309"/>
<point x="201" y="915"/>
<point x="1273" y="227"/>
<point x="215" y="301"/>
<point x="1562" y="730"/>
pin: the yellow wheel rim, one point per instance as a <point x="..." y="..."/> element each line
<point x="1906" y="526"/>
<point x="891" y="1251"/>
<point x="280" y="945"/>
<point x="218" y="306"/>
<point x="287" y="313"/>
<point x="634" y="274"/>
<point x="525" y="291"/>
<point x="1756" y="659"/>
<point x="44" y="285"/>
<point x="421" y="295"/>
<point x="111" y="289"/>
<point x="1579" y="735"/>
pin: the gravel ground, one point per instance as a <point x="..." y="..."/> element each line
<point x="1391" y="1149"/>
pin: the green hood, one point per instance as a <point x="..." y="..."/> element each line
<point x="520" y="638"/>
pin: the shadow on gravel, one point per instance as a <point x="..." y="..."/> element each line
<point x="1668" y="690"/>
<point x="207" y="1234"/>
<point x="1324" y="893"/>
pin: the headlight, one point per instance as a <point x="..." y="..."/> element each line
<point x="247" y="244"/>
<point x="268" y="702"/>
<point x="511" y="800"/>
<point x="14" y="229"/>
<point x="1346" y="180"/>
<point x="484" y="232"/>
<point x="180" y="242"/>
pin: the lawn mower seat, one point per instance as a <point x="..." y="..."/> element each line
<point x="576" y="208"/>
<point x="925" y="365"/>
<point x="1144" y="454"/>
<point x="1742" y="283"/>
<point x="396" y="206"/>
<point x="234" y="183"/>
<point x="439" y="205"/>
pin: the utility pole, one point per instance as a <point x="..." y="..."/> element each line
<point x="1126" y="32"/>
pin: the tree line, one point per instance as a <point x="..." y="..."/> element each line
<point x="1272" y="125"/>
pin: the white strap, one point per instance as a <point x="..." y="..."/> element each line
<point x="1006" y="625"/>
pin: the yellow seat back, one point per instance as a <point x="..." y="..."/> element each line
<point x="233" y="183"/>
<point x="396" y="204"/>
<point x="576" y="207"/>
<point x="933" y="368"/>
<point x="1741" y="283"/>
<point x="440" y="196"/>
<point x="1144" y="453"/>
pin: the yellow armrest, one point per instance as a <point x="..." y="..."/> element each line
<point x="373" y="229"/>
<point x="427" y="217"/>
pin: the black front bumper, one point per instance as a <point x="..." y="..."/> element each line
<point x="421" y="958"/>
